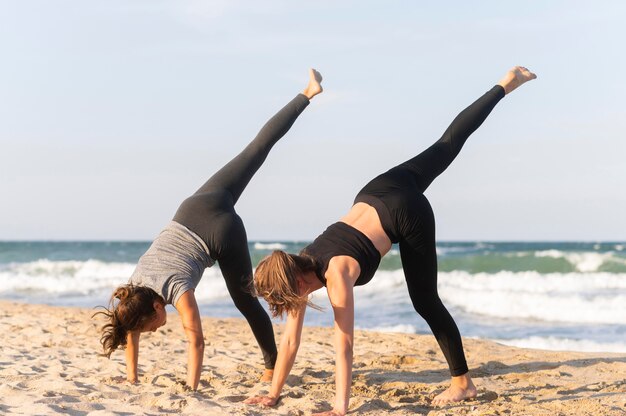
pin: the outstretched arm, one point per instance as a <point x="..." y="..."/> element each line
<point x="192" y="324"/>
<point x="287" y="351"/>
<point x="340" y="293"/>
<point x="132" y="355"/>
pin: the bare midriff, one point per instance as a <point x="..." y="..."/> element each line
<point x="364" y="218"/>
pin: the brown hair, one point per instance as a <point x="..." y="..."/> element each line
<point x="275" y="279"/>
<point x="130" y="308"/>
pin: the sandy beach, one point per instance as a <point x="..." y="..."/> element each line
<point x="50" y="364"/>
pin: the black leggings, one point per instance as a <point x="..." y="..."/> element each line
<point x="210" y="213"/>
<point x="408" y="219"/>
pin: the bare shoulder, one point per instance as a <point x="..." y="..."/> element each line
<point x="342" y="269"/>
<point x="340" y="278"/>
<point x="342" y="273"/>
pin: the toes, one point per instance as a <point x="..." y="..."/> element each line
<point x="439" y="402"/>
<point x="527" y="73"/>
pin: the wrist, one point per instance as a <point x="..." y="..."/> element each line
<point x="340" y="408"/>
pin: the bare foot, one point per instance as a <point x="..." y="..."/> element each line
<point x="516" y="77"/>
<point x="462" y="388"/>
<point x="267" y="375"/>
<point x="266" y="401"/>
<point x="315" y="84"/>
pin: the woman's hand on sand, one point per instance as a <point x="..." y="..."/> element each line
<point x="516" y="76"/>
<point x="315" y="84"/>
<point x="266" y="401"/>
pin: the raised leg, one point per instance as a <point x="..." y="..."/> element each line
<point x="236" y="174"/>
<point x="433" y="161"/>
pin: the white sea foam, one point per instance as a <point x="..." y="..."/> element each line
<point x="62" y="277"/>
<point x="570" y="297"/>
<point x="555" y="254"/>
<point x="401" y="328"/>
<point x="212" y="286"/>
<point x="583" y="261"/>
<point x="91" y="277"/>
<point x="269" y="246"/>
<point x="462" y="249"/>
<point x="583" y="298"/>
<point x="564" y="344"/>
<point x="579" y="298"/>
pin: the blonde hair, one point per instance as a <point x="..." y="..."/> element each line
<point x="275" y="280"/>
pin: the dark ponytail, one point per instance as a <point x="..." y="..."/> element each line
<point x="130" y="308"/>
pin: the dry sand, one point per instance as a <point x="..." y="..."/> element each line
<point x="49" y="364"/>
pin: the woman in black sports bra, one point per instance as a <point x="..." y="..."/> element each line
<point x="390" y="209"/>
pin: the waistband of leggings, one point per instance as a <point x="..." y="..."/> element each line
<point x="383" y="214"/>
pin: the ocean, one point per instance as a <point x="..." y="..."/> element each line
<point x="548" y="295"/>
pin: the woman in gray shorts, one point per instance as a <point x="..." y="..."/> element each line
<point x="206" y="229"/>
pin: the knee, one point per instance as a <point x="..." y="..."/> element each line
<point x="426" y="302"/>
<point x="246" y="303"/>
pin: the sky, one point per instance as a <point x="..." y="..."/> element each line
<point x="111" y="113"/>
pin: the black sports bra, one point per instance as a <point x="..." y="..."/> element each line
<point x="341" y="239"/>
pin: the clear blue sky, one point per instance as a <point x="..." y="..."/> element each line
<point x="112" y="112"/>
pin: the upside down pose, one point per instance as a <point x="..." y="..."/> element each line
<point x="205" y="229"/>
<point x="390" y="209"/>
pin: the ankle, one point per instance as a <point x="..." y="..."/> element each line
<point x="463" y="381"/>
<point x="507" y="83"/>
<point x="311" y="92"/>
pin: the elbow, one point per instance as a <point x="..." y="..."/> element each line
<point x="291" y="343"/>
<point x="345" y="349"/>
<point x="197" y="344"/>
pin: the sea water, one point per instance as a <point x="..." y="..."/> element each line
<point x="549" y="295"/>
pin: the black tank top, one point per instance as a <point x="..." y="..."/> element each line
<point x="341" y="239"/>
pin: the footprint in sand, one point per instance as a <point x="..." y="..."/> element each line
<point x="400" y="360"/>
<point x="235" y="398"/>
<point x="487" y="396"/>
<point x="317" y="374"/>
<point x="167" y="380"/>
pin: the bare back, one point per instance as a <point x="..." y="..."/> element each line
<point x="364" y="218"/>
